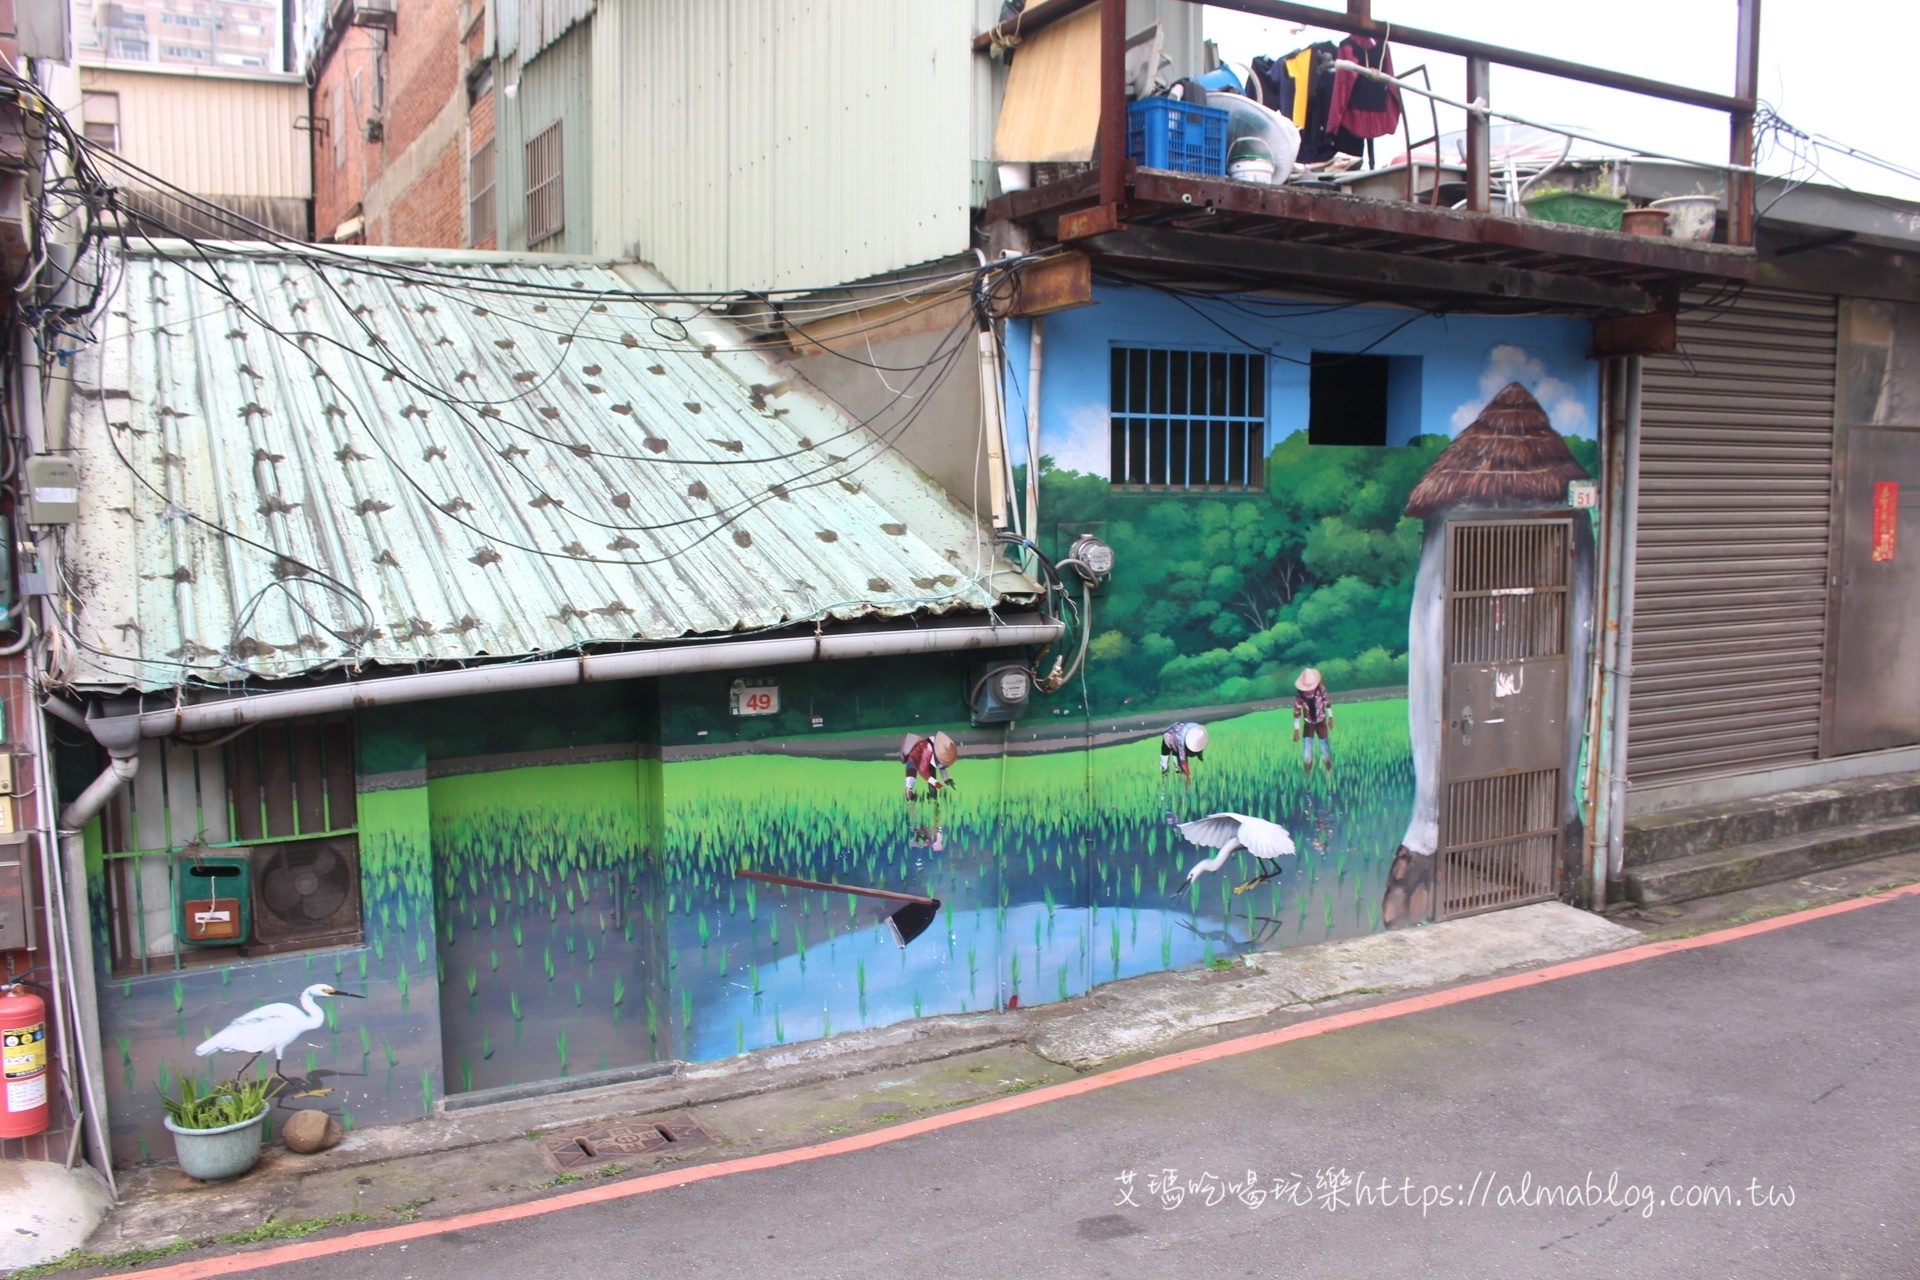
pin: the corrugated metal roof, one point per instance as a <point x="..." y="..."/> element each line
<point x="480" y="470"/>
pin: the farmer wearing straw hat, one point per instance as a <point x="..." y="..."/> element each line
<point x="1313" y="719"/>
<point x="928" y="759"/>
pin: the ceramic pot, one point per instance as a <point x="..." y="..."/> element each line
<point x="214" y="1155"/>
<point x="1644" y="222"/>
<point x="1692" y="217"/>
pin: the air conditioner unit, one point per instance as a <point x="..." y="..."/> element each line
<point x="307" y="893"/>
<point x="375" y="13"/>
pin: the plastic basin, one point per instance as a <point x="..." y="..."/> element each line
<point x="1577" y="208"/>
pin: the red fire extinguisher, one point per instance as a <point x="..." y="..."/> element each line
<point x="23" y="1042"/>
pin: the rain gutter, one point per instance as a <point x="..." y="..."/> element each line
<point x="121" y="734"/>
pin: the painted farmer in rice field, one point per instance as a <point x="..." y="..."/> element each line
<point x="1313" y="720"/>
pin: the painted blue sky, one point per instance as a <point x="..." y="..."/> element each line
<point x="1463" y="361"/>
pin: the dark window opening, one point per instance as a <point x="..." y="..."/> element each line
<point x="1347" y="399"/>
<point x="1187" y="419"/>
<point x="1365" y="400"/>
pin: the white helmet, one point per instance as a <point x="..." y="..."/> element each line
<point x="1195" y="738"/>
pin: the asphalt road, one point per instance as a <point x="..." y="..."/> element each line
<point x="1773" y="1079"/>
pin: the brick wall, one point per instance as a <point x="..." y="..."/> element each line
<point x="433" y="210"/>
<point x="409" y="182"/>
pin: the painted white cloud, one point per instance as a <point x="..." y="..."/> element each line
<point x="1086" y="445"/>
<point x="1509" y="363"/>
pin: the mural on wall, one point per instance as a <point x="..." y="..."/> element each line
<point x="1508" y="460"/>
<point x="553" y="884"/>
<point x="272" y="1028"/>
<point x="378" y="1064"/>
<point x="546" y="913"/>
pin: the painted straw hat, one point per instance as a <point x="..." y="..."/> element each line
<point x="1309" y="680"/>
<point x="945" y="750"/>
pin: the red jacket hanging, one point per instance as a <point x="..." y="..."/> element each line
<point x="1362" y="107"/>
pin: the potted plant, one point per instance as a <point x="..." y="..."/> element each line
<point x="216" y="1134"/>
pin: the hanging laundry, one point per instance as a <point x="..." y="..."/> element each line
<point x="1300" y="87"/>
<point x="1362" y="107"/>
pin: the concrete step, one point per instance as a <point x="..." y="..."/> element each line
<point x="1685" y="833"/>
<point x="1801" y="853"/>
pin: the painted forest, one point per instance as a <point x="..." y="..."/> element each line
<point x="1221" y="598"/>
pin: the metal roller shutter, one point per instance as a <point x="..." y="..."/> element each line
<point x="1730" y="603"/>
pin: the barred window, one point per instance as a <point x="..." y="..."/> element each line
<point x="1188" y="419"/>
<point x="480" y="194"/>
<point x="546" y="206"/>
<point x="239" y="848"/>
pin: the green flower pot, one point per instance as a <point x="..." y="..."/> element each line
<point x="214" y="1155"/>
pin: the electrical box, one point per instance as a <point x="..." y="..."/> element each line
<point x="6" y="773"/>
<point x="16" y="902"/>
<point x="1000" y="692"/>
<point x="53" y="490"/>
<point x="216" y="899"/>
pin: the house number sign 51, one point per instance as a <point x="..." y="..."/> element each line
<point x="745" y="699"/>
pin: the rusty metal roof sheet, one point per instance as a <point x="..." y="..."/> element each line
<point x="394" y="460"/>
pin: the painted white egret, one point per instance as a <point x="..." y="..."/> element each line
<point x="271" y="1028"/>
<point x="1230" y="833"/>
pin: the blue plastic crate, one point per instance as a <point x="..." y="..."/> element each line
<point x="1165" y="134"/>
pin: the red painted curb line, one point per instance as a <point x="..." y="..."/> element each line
<point x="239" y="1262"/>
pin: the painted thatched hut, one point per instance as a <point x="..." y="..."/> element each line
<point x="1508" y="462"/>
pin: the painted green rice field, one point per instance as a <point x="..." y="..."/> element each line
<point x="566" y="948"/>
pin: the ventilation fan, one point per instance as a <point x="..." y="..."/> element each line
<point x="307" y="893"/>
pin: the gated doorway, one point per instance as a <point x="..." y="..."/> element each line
<point x="1503" y="760"/>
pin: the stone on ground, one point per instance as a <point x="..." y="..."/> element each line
<point x="306" y="1132"/>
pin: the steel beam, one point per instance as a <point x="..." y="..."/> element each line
<point x="1155" y="191"/>
<point x="1113" y="101"/>
<point x="1392" y="275"/>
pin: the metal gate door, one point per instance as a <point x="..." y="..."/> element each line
<point x="1876" y="640"/>
<point x="1502" y="753"/>
<point x="1730" y="601"/>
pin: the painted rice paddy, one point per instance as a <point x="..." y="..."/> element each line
<point x="565" y="948"/>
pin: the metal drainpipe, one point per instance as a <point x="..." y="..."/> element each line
<point x="76" y="1008"/>
<point x="1606" y="637"/>
<point x="1623" y="663"/>
<point x="65" y="871"/>
<point x="1036" y="328"/>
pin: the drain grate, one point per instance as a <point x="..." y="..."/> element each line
<point x="570" y="1152"/>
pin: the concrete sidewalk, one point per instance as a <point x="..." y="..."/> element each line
<point x="798" y="1094"/>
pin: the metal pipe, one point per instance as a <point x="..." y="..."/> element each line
<point x="1479" y="139"/>
<point x="550" y="673"/>
<point x="993" y="422"/>
<point x="1746" y="85"/>
<point x="1607" y="648"/>
<point x="1623" y="661"/>
<point x="1041" y="14"/>
<point x="1031" y="527"/>
<point x="64" y="710"/>
<point x="75" y="1003"/>
<point x="1113" y="101"/>
<point x="118" y="773"/>
<point x="1477" y="110"/>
